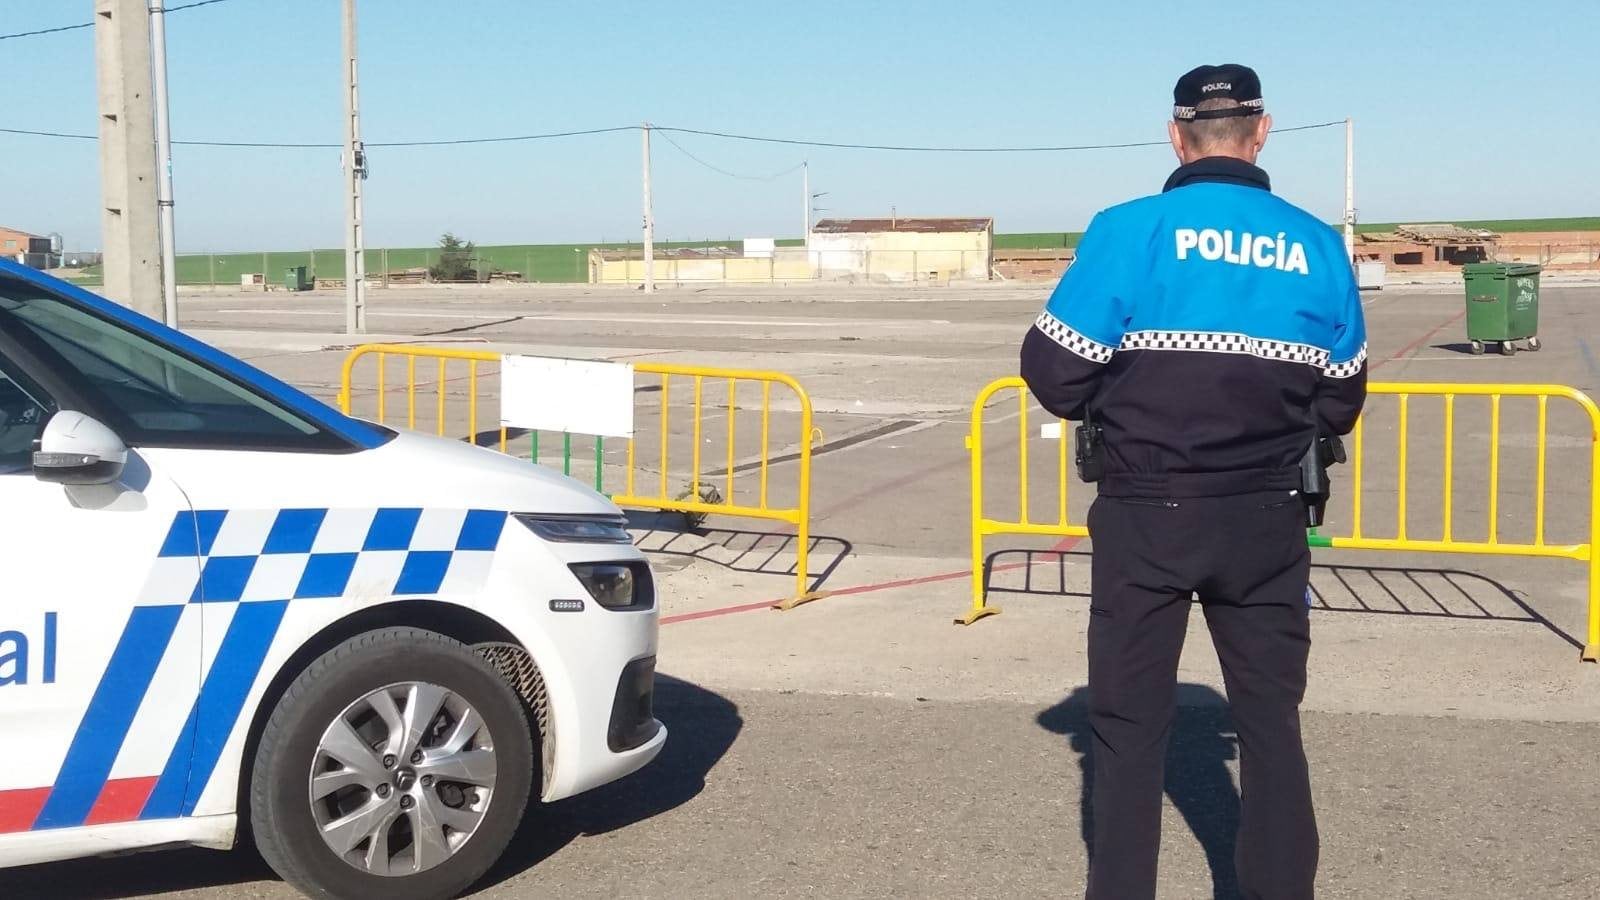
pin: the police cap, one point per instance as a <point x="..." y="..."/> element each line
<point x="1229" y="81"/>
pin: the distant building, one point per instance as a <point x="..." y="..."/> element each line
<point x="903" y="250"/>
<point x="702" y="265"/>
<point x="865" y="251"/>
<point x="28" y="249"/>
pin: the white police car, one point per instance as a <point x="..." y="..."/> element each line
<point x="223" y="602"/>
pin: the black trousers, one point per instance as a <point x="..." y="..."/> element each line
<point x="1245" y="557"/>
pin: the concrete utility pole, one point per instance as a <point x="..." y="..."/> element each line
<point x="805" y="194"/>
<point x="164" y="211"/>
<point x="355" y="172"/>
<point x="1350" y="189"/>
<point x="649" y="222"/>
<point x="127" y="155"/>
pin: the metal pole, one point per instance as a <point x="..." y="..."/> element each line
<point x="355" y="170"/>
<point x="1350" y="189"/>
<point x="158" y="93"/>
<point x="649" y="221"/>
<point x="805" y="198"/>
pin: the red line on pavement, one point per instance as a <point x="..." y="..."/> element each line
<point x="901" y="582"/>
<point x="720" y="611"/>
<point x="1061" y="546"/>
<point x="1411" y="347"/>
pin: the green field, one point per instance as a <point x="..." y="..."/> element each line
<point x="1510" y="226"/>
<point x="568" y="263"/>
<point x="558" y="263"/>
<point x="1037" y="240"/>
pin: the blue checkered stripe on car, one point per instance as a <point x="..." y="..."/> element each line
<point x="307" y="554"/>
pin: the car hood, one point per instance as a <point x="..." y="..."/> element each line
<point x="458" y="474"/>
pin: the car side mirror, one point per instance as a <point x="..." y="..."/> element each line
<point x="75" y="449"/>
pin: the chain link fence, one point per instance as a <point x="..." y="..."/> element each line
<point x="389" y="266"/>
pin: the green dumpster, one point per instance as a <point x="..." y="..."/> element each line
<point x="294" y="279"/>
<point x="1502" y="305"/>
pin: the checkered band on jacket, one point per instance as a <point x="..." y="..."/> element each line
<point x="1225" y="342"/>
<point x="1349" y="367"/>
<point x="1198" y="341"/>
<point x="1075" y="341"/>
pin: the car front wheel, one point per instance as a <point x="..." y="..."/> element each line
<point x="396" y="765"/>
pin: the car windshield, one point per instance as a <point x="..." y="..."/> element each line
<point x="157" y="396"/>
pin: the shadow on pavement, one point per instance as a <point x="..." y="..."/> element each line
<point x="1373" y="590"/>
<point x="1198" y="781"/>
<point x="734" y="549"/>
<point x="137" y="875"/>
<point x="702" y="726"/>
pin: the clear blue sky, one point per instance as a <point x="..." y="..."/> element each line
<point x="1471" y="110"/>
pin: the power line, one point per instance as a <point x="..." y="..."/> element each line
<point x="280" y="145"/>
<point x="286" y="145"/>
<point x="23" y="34"/>
<point x="195" y="5"/>
<point x="721" y="171"/>
<point x="58" y="30"/>
<point x="936" y="149"/>
<point x="54" y="134"/>
<point x="507" y="139"/>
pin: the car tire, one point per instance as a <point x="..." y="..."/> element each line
<point x="331" y="735"/>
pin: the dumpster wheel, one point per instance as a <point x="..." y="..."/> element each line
<point x="1508" y="348"/>
<point x="1534" y="344"/>
<point x="1477" y="348"/>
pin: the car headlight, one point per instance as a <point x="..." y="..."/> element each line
<point x="578" y="529"/>
<point x="617" y="585"/>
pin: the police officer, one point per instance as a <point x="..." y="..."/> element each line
<point x="1205" y="335"/>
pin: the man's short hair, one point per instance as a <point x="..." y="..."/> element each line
<point x="1207" y="135"/>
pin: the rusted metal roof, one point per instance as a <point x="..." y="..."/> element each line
<point x="1429" y="234"/>
<point x="1434" y="233"/>
<point x="922" y="225"/>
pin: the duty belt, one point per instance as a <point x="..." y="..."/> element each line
<point x="1199" y="484"/>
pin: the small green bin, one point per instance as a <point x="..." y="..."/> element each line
<point x="294" y="279"/>
<point x="1502" y="305"/>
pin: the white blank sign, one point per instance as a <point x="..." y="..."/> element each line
<point x="566" y="395"/>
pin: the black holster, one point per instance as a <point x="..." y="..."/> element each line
<point x="1089" y="450"/>
<point x="1315" y="488"/>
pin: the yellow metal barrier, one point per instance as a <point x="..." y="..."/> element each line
<point x="983" y="526"/>
<point x="696" y="499"/>
<point x="1357" y="539"/>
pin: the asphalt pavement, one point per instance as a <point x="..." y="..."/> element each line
<point x="863" y="746"/>
<point x="806" y="795"/>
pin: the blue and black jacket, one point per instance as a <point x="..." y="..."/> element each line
<point x="1210" y="330"/>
